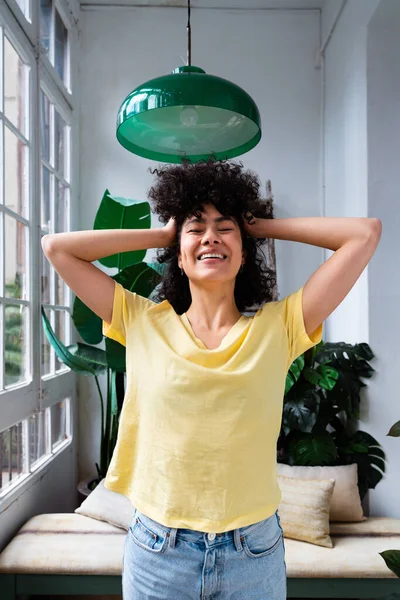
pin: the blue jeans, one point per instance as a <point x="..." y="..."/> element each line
<point x="165" y="563"/>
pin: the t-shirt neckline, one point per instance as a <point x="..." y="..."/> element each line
<point x="184" y="319"/>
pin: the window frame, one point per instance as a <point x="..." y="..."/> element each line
<point x="28" y="26"/>
<point x="21" y="401"/>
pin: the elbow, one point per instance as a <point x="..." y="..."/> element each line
<point x="372" y="231"/>
<point x="47" y="242"/>
<point x="375" y="228"/>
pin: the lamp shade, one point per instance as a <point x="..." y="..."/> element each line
<point x="188" y="114"/>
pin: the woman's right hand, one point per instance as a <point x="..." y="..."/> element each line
<point x="170" y="230"/>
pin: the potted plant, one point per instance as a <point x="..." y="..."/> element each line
<point x="392" y="557"/>
<point x="321" y="405"/>
<point x="86" y="358"/>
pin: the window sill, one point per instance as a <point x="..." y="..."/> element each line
<point x="9" y="496"/>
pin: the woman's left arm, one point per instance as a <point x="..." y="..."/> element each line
<point x="354" y="241"/>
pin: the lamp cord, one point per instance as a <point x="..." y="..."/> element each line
<point x="189" y="51"/>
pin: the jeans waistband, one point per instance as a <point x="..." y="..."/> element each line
<point x="193" y="534"/>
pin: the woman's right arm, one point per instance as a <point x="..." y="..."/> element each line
<point x="72" y="253"/>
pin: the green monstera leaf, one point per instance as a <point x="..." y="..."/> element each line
<point x="348" y="357"/>
<point x="160" y="268"/>
<point x="140" y="278"/>
<point x="116" y="356"/>
<point x="395" y="430"/>
<point x="294" y="372"/>
<point x="312" y="449"/>
<point x="89" y="355"/>
<point x="300" y="408"/>
<point x="392" y="560"/>
<point x="122" y="213"/>
<point x="370" y="459"/>
<point x="80" y="358"/>
<point x="86" y="322"/>
<point x="323" y="376"/>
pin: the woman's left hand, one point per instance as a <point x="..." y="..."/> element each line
<point x="252" y="224"/>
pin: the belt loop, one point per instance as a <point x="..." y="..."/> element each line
<point x="172" y="536"/>
<point x="237" y="540"/>
<point x="133" y="518"/>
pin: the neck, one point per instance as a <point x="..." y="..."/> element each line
<point x="213" y="307"/>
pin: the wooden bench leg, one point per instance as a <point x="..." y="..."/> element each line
<point x="7" y="587"/>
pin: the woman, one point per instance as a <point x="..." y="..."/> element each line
<point x="196" y="448"/>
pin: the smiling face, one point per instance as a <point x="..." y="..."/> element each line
<point x="214" y="234"/>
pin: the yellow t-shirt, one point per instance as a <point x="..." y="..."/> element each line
<point x="196" y="445"/>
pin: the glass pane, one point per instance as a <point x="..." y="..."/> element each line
<point x="45" y="350"/>
<point x="61" y="208"/>
<point x="45" y="187"/>
<point x="25" y="7"/>
<point x="59" y="423"/>
<point x="11" y="455"/>
<point x="60" y="290"/>
<point x="15" y="255"/>
<point x="62" y="332"/>
<point x="16" y="85"/>
<point x="45" y="106"/>
<point x="16" y="173"/>
<point x="37" y="436"/>
<point x="61" y="48"/>
<point x="59" y="142"/>
<point x="45" y="24"/>
<point x="16" y="350"/>
<point x="46" y="282"/>
<point x="67" y="153"/>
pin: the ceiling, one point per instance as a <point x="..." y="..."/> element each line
<point x="239" y="4"/>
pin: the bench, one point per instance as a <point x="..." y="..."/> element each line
<point x="73" y="554"/>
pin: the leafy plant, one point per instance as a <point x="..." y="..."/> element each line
<point x="14" y="350"/>
<point x="392" y="557"/>
<point x="86" y="359"/>
<point x="321" y="405"/>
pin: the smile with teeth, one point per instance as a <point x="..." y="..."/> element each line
<point x="212" y="256"/>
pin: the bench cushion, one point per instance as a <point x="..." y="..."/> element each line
<point x="65" y="543"/>
<point x="346" y="502"/>
<point x="355" y="552"/>
<point x="74" y="544"/>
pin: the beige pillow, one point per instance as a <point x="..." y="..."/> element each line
<point x="346" y="501"/>
<point x="109" y="506"/>
<point x="304" y="509"/>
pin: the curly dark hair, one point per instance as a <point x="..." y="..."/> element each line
<point x="181" y="191"/>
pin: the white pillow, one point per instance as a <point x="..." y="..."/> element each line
<point x="109" y="506"/>
<point x="346" y="501"/>
<point x="304" y="509"/>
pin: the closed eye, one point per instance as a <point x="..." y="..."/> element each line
<point x="200" y="230"/>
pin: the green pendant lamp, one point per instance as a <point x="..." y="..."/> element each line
<point x="188" y="114"/>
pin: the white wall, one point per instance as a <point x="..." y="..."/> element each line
<point x="361" y="155"/>
<point x="383" y="105"/>
<point x="271" y="54"/>
<point x="345" y="145"/>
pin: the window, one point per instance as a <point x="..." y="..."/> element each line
<point x="36" y="183"/>
<point x="55" y="211"/>
<point x="54" y="38"/>
<point x="25" y="6"/>
<point x="28" y="444"/>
